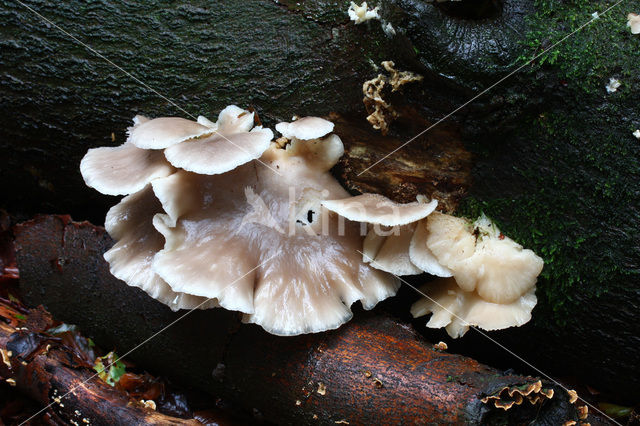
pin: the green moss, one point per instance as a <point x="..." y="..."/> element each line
<point x="586" y="59"/>
<point x="565" y="184"/>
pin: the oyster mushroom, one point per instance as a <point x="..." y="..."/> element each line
<point x="457" y="310"/>
<point x="481" y="258"/>
<point x="386" y="245"/>
<point x="130" y="224"/>
<point x="230" y="145"/>
<point x="493" y="283"/>
<point x="241" y="236"/>
<point x="305" y="128"/>
<point x="212" y="251"/>
<point x="124" y="169"/>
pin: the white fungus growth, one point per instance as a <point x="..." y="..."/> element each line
<point x="637" y="133"/>
<point x="493" y="283"/>
<point x="220" y="229"/>
<point x="633" y="23"/>
<point x="216" y="214"/>
<point x="360" y="14"/>
<point x="613" y="85"/>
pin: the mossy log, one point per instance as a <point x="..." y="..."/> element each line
<point x="547" y="153"/>
<point x="372" y="370"/>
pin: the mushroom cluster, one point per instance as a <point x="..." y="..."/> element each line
<point x="489" y="278"/>
<point x="218" y="214"/>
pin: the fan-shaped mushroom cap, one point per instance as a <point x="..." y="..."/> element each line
<point x="305" y="128"/>
<point x="231" y="145"/>
<point x="298" y="281"/>
<point x="164" y="132"/>
<point x="378" y="209"/>
<point x="219" y="152"/>
<point x="449" y="238"/>
<point x="122" y="170"/>
<point x="495" y="266"/>
<point x="392" y="255"/>
<point x="421" y="256"/>
<point x="500" y="270"/>
<point x="457" y="309"/>
<point x="130" y="223"/>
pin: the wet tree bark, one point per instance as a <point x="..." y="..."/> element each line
<point x="371" y="369"/>
<point x="45" y="369"/>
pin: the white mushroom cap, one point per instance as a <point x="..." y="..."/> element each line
<point x="500" y="270"/>
<point x="421" y="256"/>
<point x="449" y="239"/>
<point x="393" y="254"/>
<point x="122" y="170"/>
<point x="164" y="132"/>
<point x="297" y="281"/>
<point x="457" y="309"/>
<point x="234" y="119"/>
<point x="129" y="222"/>
<point x="219" y="152"/>
<point x="495" y="266"/>
<point x="377" y="209"/>
<point x="305" y="128"/>
<point x="633" y="22"/>
<point x="321" y="154"/>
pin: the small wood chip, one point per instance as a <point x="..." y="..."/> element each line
<point x="322" y="389"/>
<point x="6" y="355"/>
<point x="441" y="346"/>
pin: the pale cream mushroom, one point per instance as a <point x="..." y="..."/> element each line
<point x="456" y="309"/>
<point x="305" y="128"/>
<point x="124" y="169"/>
<point x="137" y="242"/>
<point x="229" y="146"/>
<point x="163" y="132"/>
<point x="239" y="235"/>
<point x="633" y="22"/>
<point x="386" y="245"/>
<point x="378" y="209"/>
<point x="481" y="258"/>
<point x="297" y="277"/>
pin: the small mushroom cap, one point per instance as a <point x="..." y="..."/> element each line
<point x="393" y="254"/>
<point x="449" y="239"/>
<point x="495" y="266"/>
<point x="234" y="119"/>
<point x="219" y="152"/>
<point x="421" y="256"/>
<point x="305" y="128"/>
<point x="378" y="209"/>
<point x="130" y="259"/>
<point x="321" y="154"/>
<point x="457" y="309"/>
<point x="500" y="270"/>
<point x="633" y="22"/>
<point x="122" y="170"/>
<point x="164" y="132"/>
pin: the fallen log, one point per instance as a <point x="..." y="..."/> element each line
<point x="372" y="370"/>
<point x="42" y="367"/>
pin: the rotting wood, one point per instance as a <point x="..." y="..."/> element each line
<point x="372" y="369"/>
